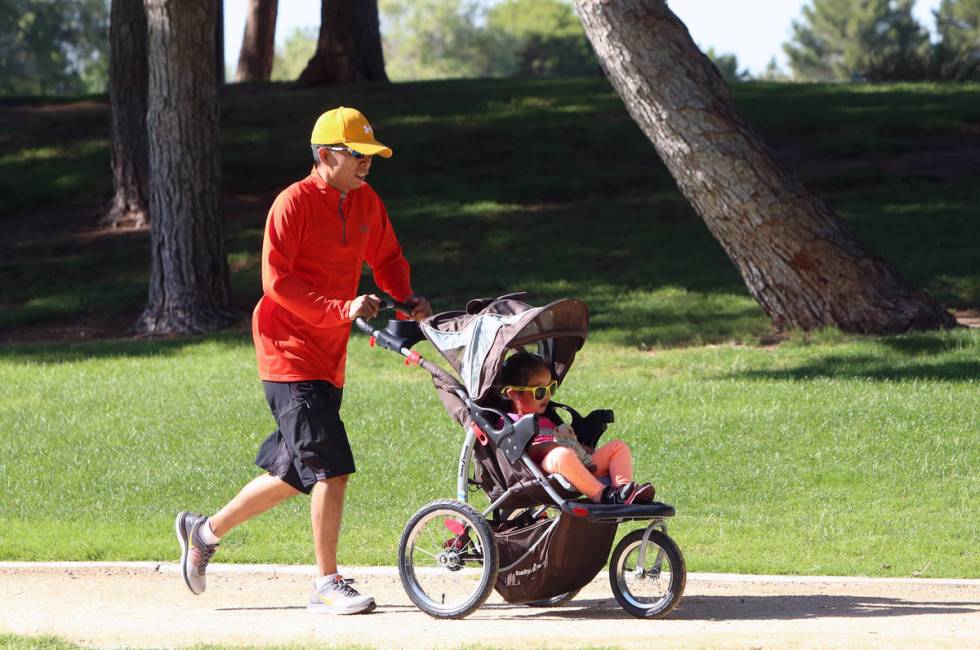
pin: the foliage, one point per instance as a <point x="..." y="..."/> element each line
<point x="439" y="39"/>
<point x="958" y="51"/>
<point x="547" y="35"/>
<point x="727" y="65"/>
<point x="53" y="47"/>
<point x="866" y="40"/>
<point x="295" y="53"/>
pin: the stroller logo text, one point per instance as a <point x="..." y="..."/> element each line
<point x="531" y="569"/>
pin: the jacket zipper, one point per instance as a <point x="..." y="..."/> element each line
<point x="343" y="219"/>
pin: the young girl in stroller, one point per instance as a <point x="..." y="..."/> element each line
<point x="529" y="385"/>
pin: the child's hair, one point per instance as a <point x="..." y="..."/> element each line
<point x="519" y="367"/>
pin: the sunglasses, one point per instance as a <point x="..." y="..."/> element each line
<point x="355" y="154"/>
<point x="537" y="392"/>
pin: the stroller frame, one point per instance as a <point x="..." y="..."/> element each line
<point x="512" y="439"/>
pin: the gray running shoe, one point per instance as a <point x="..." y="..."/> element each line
<point x="339" y="598"/>
<point x="194" y="553"/>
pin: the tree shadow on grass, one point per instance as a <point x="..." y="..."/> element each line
<point x="63" y="353"/>
<point x="870" y="367"/>
<point x="752" y="608"/>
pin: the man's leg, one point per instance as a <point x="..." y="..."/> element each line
<point x="198" y="535"/>
<point x="331" y="593"/>
<point x="326" y="511"/>
<point x="258" y="495"/>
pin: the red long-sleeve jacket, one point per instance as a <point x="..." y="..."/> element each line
<point x="315" y="245"/>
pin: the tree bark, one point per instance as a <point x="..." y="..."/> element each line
<point x="799" y="260"/>
<point x="259" y="43"/>
<point x="348" y="49"/>
<point x="127" y="102"/>
<point x="219" y="43"/>
<point x="189" y="282"/>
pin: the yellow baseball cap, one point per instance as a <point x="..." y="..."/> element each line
<point x="349" y="127"/>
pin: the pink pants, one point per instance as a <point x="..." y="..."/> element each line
<point x="613" y="459"/>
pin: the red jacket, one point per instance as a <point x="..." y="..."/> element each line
<point x="315" y="245"/>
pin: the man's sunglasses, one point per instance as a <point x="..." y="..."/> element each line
<point x="537" y="392"/>
<point x="355" y="154"/>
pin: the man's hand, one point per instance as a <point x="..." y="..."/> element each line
<point x="364" y="307"/>
<point x="420" y="307"/>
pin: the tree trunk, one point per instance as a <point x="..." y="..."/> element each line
<point x="219" y="43"/>
<point x="127" y="101"/>
<point x="348" y="49"/>
<point x="259" y="43"/>
<point x="189" y="284"/>
<point x="800" y="261"/>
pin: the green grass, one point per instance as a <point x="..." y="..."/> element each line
<point x="22" y="642"/>
<point x="837" y="457"/>
<point x="825" y="455"/>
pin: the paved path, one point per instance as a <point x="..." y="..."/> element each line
<point x="147" y="605"/>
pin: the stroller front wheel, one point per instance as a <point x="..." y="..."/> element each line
<point x="653" y="589"/>
<point x="447" y="559"/>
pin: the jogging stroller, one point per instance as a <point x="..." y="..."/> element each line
<point x="539" y="541"/>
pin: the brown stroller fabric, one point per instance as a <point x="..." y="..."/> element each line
<point x="533" y="568"/>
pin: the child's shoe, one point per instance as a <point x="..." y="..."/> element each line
<point x="612" y="496"/>
<point x="637" y="493"/>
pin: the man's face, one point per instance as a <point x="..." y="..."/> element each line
<point x="343" y="171"/>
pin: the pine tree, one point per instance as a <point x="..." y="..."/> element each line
<point x="958" y="50"/>
<point x="865" y="40"/>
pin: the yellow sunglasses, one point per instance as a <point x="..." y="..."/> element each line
<point x="537" y="392"/>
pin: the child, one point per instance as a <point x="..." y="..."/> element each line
<point x="529" y="385"/>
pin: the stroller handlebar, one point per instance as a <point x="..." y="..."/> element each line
<point x="364" y="326"/>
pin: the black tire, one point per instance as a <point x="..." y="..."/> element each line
<point x="433" y="562"/>
<point x="662" y="555"/>
<point x="554" y="601"/>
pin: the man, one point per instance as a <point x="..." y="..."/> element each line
<point x="318" y="234"/>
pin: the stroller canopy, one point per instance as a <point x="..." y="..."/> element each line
<point x="475" y="341"/>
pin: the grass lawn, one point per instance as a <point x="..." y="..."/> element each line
<point x="825" y="454"/>
<point x="849" y="457"/>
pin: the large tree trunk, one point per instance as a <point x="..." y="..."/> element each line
<point x="127" y="101"/>
<point x="800" y="261"/>
<point x="348" y="49"/>
<point x="189" y="283"/>
<point x="259" y="43"/>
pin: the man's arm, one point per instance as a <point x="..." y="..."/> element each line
<point x="391" y="271"/>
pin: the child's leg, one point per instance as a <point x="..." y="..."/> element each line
<point x="615" y="460"/>
<point x="562" y="460"/>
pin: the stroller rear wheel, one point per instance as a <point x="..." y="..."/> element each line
<point x="447" y="559"/>
<point x="651" y="590"/>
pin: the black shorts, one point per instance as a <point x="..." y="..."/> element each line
<point x="310" y="444"/>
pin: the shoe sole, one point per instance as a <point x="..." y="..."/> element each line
<point x="184" y="550"/>
<point x="327" y="609"/>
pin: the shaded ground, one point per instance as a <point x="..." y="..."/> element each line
<point x="149" y="606"/>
